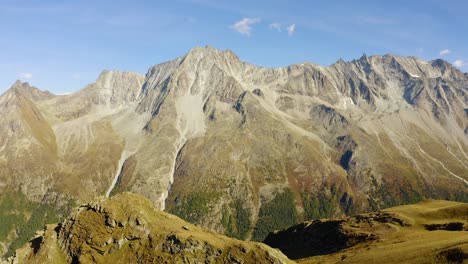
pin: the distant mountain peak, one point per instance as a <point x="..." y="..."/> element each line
<point x="29" y="91"/>
<point x="212" y="53"/>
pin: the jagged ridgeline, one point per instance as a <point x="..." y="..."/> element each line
<point x="237" y="148"/>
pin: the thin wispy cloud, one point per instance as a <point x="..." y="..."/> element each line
<point x="419" y="50"/>
<point x="275" y="26"/>
<point x="460" y="63"/>
<point x="444" y="52"/>
<point x="244" y="26"/>
<point x="25" y="75"/>
<point x="291" y="29"/>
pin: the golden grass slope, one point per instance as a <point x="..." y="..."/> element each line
<point x="406" y="238"/>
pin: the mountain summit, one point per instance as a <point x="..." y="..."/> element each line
<point x="241" y="149"/>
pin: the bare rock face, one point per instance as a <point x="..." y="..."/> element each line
<point x="127" y="228"/>
<point x="219" y="141"/>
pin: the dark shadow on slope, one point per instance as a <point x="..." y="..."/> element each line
<point x="345" y="159"/>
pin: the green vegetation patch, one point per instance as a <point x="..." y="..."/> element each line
<point x="237" y="220"/>
<point x="26" y="218"/>
<point x="195" y="206"/>
<point x="41" y="215"/>
<point x="14" y="211"/>
<point x="318" y="207"/>
<point x="276" y="214"/>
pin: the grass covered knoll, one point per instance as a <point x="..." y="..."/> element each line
<point x="394" y="235"/>
<point x="127" y="228"/>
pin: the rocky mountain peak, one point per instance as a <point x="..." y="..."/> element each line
<point x="204" y="58"/>
<point x="440" y="63"/>
<point x="18" y="83"/>
<point x="29" y="91"/>
<point x="115" y="88"/>
<point x="446" y="69"/>
<point x="110" y="79"/>
<point x="364" y="59"/>
<point x="340" y="61"/>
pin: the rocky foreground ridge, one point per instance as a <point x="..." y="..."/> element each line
<point x="127" y="228"/>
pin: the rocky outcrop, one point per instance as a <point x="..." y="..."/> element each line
<point x="127" y="228"/>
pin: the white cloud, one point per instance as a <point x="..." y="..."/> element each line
<point x="25" y="75"/>
<point x="291" y="29"/>
<point x="276" y="26"/>
<point x="460" y="63"/>
<point x="244" y="26"/>
<point x="444" y="52"/>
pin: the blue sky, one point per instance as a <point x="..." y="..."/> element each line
<point x="63" y="45"/>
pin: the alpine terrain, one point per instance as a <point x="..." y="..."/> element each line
<point x="235" y="148"/>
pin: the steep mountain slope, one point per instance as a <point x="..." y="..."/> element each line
<point x="353" y="135"/>
<point x="428" y="232"/>
<point x="236" y="147"/>
<point x="67" y="144"/>
<point x="57" y="150"/>
<point x="28" y="142"/>
<point x="127" y="228"/>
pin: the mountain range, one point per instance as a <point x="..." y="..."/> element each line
<point x="239" y="149"/>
